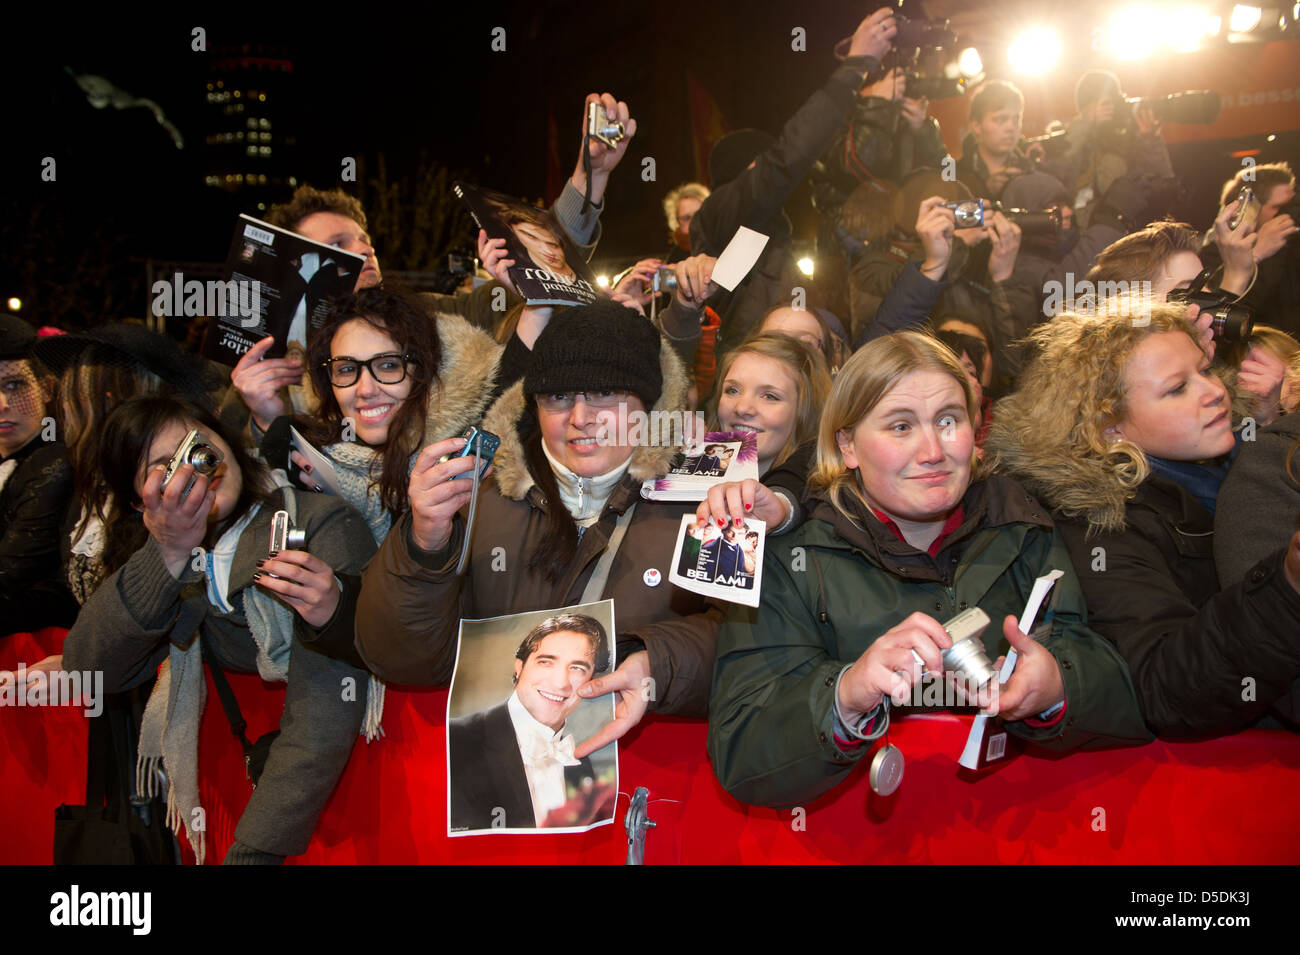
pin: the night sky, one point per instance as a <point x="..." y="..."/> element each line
<point x="382" y="83"/>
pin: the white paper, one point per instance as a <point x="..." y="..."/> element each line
<point x="970" y="755"/>
<point x="322" y="468"/>
<point x="738" y="257"/>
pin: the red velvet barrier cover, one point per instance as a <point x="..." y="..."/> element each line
<point x="1232" y="800"/>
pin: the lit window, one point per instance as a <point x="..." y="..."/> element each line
<point x="251" y="151"/>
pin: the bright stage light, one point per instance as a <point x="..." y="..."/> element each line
<point x="15" y="304"/>
<point x="1034" y="51"/>
<point x="805" y="266"/>
<point x="1186" y="27"/>
<point x="1134" y="32"/>
<point x="969" y="62"/>
<point x="1244" y="18"/>
<point x="602" y="281"/>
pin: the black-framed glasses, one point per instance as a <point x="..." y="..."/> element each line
<point x="388" y="369"/>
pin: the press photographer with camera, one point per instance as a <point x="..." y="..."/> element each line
<point x="992" y="152"/>
<point x="1122" y="429"/>
<point x="205" y="587"/>
<point x="934" y="263"/>
<point x="753" y="174"/>
<point x="1112" y="137"/>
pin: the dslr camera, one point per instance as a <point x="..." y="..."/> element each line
<point x="196" y="452"/>
<point x="1231" y="322"/>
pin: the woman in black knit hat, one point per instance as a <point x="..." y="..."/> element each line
<point x="563" y="493"/>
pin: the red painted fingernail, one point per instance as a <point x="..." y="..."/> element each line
<point x="721" y="522"/>
<point x="749" y="507"/>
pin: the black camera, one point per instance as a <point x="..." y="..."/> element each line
<point x="1193" y="107"/>
<point x="1036" y="222"/>
<point x="1231" y="322"/>
<point x="933" y="87"/>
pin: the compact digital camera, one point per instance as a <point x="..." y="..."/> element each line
<point x="600" y="126"/>
<point x="196" y="452"/>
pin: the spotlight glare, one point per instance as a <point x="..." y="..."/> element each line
<point x="1244" y="18"/>
<point x="602" y="281"/>
<point x="15" y="304"/>
<point x="1034" y="51"/>
<point x="1133" y="33"/>
<point x="1186" y="27"/>
<point x="969" y="62"/>
<point x="805" y="266"/>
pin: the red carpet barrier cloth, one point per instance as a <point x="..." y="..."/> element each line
<point x="1228" y="801"/>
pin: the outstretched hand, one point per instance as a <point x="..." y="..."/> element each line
<point x="1035" y="685"/>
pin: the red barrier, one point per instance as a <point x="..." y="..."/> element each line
<point x="1228" y="801"/>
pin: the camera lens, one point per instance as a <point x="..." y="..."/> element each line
<point x="968" y="661"/>
<point x="1232" y="323"/>
<point x="295" y="539"/>
<point x="969" y="214"/>
<point x="204" y="458"/>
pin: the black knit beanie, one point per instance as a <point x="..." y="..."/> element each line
<point x="603" y="346"/>
<point x="16" y="338"/>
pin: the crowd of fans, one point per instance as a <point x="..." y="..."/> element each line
<point x="936" y="428"/>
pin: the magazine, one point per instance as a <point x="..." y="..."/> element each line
<point x="717" y="457"/>
<point x="722" y="562"/>
<point x="549" y="269"/>
<point x="283" y="282"/>
<point x="515" y="723"/>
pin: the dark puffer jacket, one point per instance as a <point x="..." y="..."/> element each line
<point x="831" y="588"/>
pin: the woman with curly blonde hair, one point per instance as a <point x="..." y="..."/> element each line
<point x="904" y="534"/>
<point x="1123" y="429"/>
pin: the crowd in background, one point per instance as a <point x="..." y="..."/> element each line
<point x="936" y="426"/>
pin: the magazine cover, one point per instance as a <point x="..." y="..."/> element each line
<point x="295" y="279"/>
<point x="722" y="562"/>
<point x="716" y="457"/>
<point x="548" y="269"/>
<point x="515" y="721"/>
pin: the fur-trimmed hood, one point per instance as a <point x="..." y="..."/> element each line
<point x="648" y="461"/>
<point x="467" y="375"/>
<point x="1068" y="484"/>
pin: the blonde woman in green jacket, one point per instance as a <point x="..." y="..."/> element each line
<point x="905" y="533"/>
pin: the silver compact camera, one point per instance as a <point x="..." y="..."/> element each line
<point x="283" y="534"/>
<point x="966" y="658"/>
<point x="970" y="213"/>
<point x="195" y="451"/>
<point x="665" y="279"/>
<point x="600" y="126"/>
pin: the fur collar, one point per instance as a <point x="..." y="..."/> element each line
<point x="503" y="418"/>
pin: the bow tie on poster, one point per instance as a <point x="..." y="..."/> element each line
<point x="538" y="752"/>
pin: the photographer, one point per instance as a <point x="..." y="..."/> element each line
<point x="934" y="266"/>
<point x="1107" y="140"/>
<point x="753" y="175"/>
<point x="1275" y="296"/>
<point x="888" y="135"/>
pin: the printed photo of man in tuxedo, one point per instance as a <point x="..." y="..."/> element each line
<point x="512" y="765"/>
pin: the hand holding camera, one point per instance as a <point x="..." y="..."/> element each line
<point x="890" y="667"/>
<point x="875" y="35"/>
<point x="935" y="224"/>
<point x="435" y="496"/>
<point x="1035" y="685"/>
<point x="607" y="129"/>
<point x="304" y="582"/>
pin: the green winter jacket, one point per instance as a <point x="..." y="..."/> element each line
<point x="831" y="588"/>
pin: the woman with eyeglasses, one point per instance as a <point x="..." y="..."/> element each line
<point x="390" y="379"/>
<point x="560" y="521"/>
